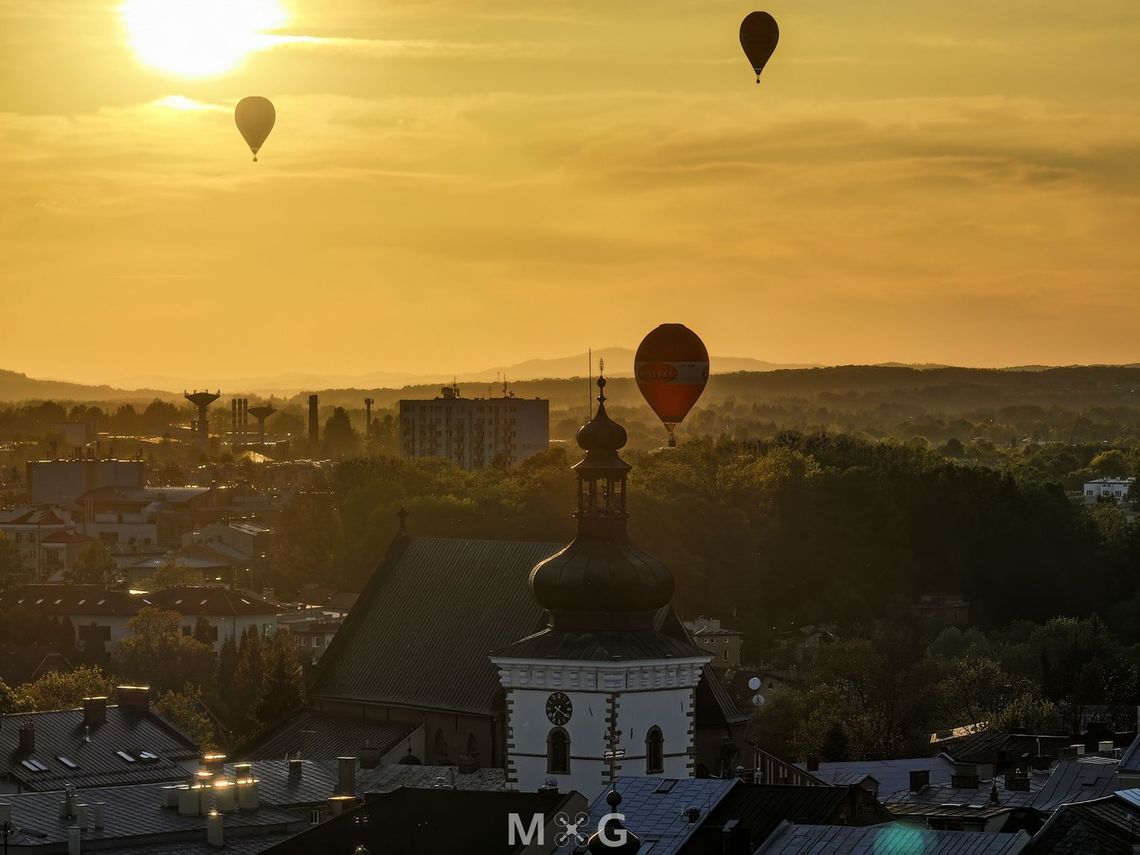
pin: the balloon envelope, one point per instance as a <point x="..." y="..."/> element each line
<point x="255" y="117"/>
<point x="672" y="367"/>
<point x="758" y="36"/>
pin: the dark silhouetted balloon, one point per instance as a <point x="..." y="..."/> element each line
<point x="758" y="36"/>
<point x="672" y="368"/>
<point x="255" y="117"/>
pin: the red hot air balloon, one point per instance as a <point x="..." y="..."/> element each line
<point x="255" y="117"/>
<point x="758" y="36"/>
<point x="672" y="368"/>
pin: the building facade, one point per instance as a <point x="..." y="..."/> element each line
<point x="1107" y="489"/>
<point x="474" y="432"/>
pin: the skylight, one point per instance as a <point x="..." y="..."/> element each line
<point x="33" y="765"/>
<point x="149" y="756"/>
<point x="67" y="761"/>
<point x="125" y="756"/>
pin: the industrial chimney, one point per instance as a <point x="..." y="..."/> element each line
<point x="314" y="427"/>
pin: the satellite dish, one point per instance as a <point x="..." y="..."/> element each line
<point x="758" y="700"/>
<point x="754" y="683"/>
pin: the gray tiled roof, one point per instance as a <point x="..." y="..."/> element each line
<point x="659" y="817"/>
<point x="129" y="812"/>
<point x="890" y="839"/>
<point x="421" y="632"/>
<point x="61" y="733"/>
<point x="310" y="733"/>
<point x="385" y="779"/>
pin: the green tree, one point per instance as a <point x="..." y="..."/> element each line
<point x="340" y="437"/>
<point x="249" y="672"/>
<point x="171" y="574"/>
<point x="63" y="690"/>
<point x="283" y="686"/>
<point x="184" y="710"/>
<point x="93" y="566"/>
<point x="156" y="653"/>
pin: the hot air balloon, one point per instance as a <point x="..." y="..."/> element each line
<point x="672" y="368"/>
<point x="255" y="117"/>
<point x="758" y="36"/>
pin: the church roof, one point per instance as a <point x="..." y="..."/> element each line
<point x="603" y="645"/>
<point x="434" y="611"/>
<point x="421" y="632"/>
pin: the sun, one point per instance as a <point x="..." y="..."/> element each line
<point x="199" y="38"/>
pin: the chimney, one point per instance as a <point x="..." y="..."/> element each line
<point x="248" y="797"/>
<point x="27" y="738"/>
<point x="812" y="763"/>
<point x="94" y="711"/>
<point x="339" y="804"/>
<point x="1017" y="781"/>
<point x="346" y="776"/>
<point x="214" y="829"/>
<point x="134" y="697"/>
<point x="1105" y="746"/>
<point x="296" y="769"/>
<point x="965" y="777"/>
<point x="74" y="840"/>
<point x="1078" y="748"/>
<point x="314" y="427"/>
<point x="225" y="795"/>
<point x="214" y="762"/>
<point x="735" y="839"/>
<point x="919" y="779"/>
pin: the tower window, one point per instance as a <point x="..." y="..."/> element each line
<point x="654" y="751"/>
<point x="558" y="752"/>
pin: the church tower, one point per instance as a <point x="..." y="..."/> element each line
<point x="600" y="687"/>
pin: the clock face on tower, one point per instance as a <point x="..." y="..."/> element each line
<point x="559" y="709"/>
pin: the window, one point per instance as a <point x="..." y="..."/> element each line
<point x="440" y="743"/>
<point x="558" y="752"/>
<point x="654" y="751"/>
<point x="314" y="817"/>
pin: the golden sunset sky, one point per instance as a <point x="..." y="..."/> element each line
<point x="458" y="184"/>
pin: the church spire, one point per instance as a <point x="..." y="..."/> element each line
<point x="601" y="580"/>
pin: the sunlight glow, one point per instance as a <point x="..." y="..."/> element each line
<point x="199" y="38"/>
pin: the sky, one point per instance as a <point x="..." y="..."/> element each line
<point x="458" y="184"/>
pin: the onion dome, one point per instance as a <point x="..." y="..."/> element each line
<point x="601" y="580"/>
<point x="613" y="836"/>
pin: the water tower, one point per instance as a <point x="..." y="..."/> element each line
<point x="261" y="414"/>
<point x="202" y="401"/>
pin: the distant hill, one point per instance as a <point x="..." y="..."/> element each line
<point x="619" y="363"/>
<point x="21" y="387"/>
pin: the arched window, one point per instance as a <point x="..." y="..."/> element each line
<point x="440" y="746"/>
<point x="558" y="752"/>
<point x="654" y="751"/>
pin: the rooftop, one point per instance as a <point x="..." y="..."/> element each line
<point x="888" y="840"/>
<point x="1104" y="825"/>
<point x="892" y="776"/>
<point x="319" y="734"/>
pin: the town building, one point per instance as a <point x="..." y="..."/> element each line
<point x="1107" y="489"/>
<point x="97" y="745"/>
<point x="942" y="609"/>
<point x="101" y="616"/>
<point x="600" y="679"/>
<point x="476" y="433"/>
<point x="721" y="643"/>
<point x="147" y="515"/>
<point x="1110" y="824"/>
<point x="45" y="539"/>
<point x="63" y="481"/>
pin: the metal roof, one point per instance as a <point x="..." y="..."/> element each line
<point x="1130" y="759"/>
<point x="77" y="600"/>
<point x="655" y="808"/>
<point x="1105" y="825"/>
<point x="607" y="645"/>
<point x="1077" y="779"/>
<point x="132" y="816"/>
<point x="888" y="839"/>
<point x="210" y="600"/>
<point x="61" y="734"/>
<point x="310" y="733"/>
<point x="893" y="776"/>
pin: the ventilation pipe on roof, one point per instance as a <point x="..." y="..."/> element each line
<point x="247" y="794"/>
<point x="214" y="829"/>
<point x="296" y="769"/>
<point x="919" y="778"/>
<point x="134" y="697"/>
<point x="339" y="804"/>
<point x="225" y="796"/>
